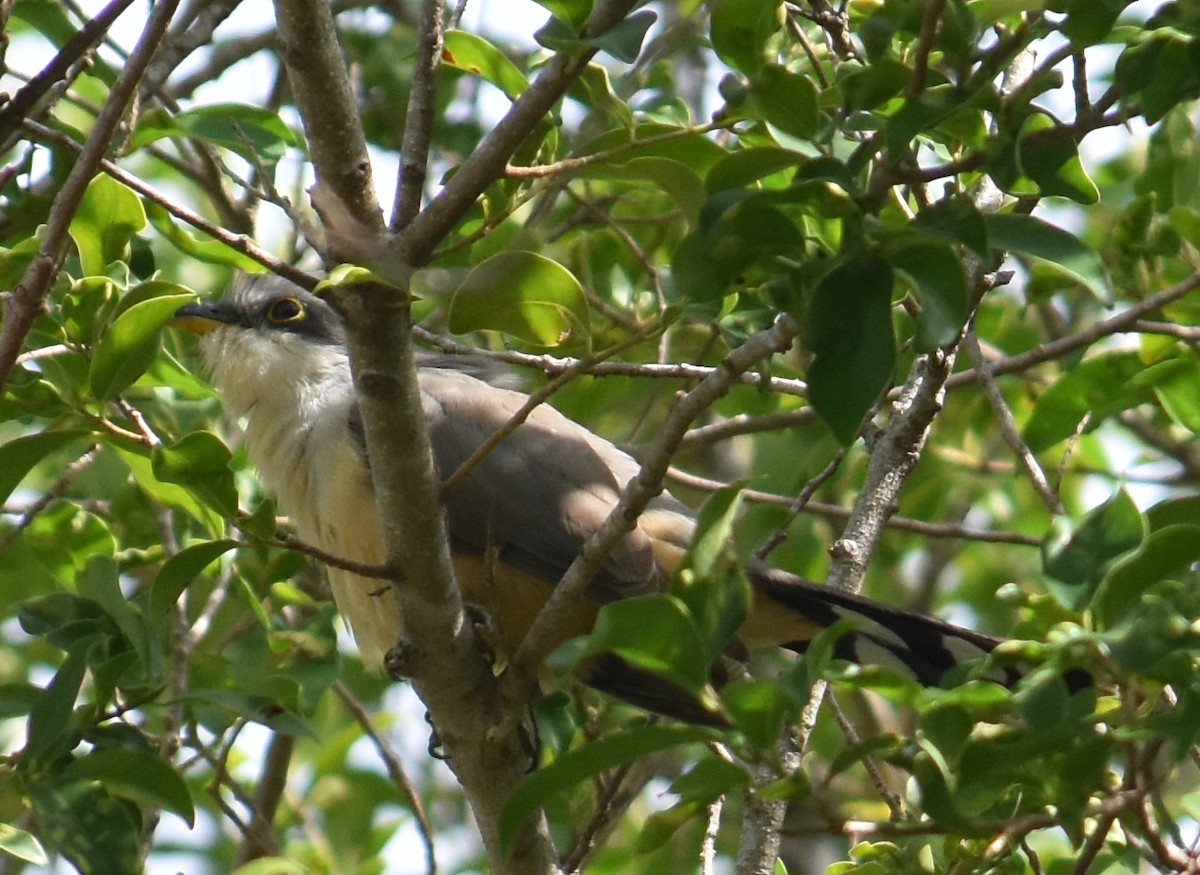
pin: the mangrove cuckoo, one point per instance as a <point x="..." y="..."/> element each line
<point x="277" y="359"/>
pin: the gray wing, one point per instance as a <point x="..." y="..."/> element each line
<point x="543" y="491"/>
<point x="539" y="494"/>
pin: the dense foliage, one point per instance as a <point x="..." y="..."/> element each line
<point x="984" y="218"/>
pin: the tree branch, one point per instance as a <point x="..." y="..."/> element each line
<point x="418" y="125"/>
<point x="27" y="301"/>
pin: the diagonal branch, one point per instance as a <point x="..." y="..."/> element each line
<point x="648" y="483"/>
<point x="21" y="105"/>
<point x="27" y="301"/>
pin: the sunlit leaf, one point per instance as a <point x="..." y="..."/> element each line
<point x="19" y="455"/>
<point x="131" y="342"/>
<point x="108" y="216"/>
<point x="22" y="845"/>
<point x="654" y="633"/>
<point x="253" y="132"/>
<point x="199" y="461"/>
<point x="475" y="55"/>
<point x="525" y="295"/>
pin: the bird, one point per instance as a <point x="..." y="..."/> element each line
<point x="276" y="357"/>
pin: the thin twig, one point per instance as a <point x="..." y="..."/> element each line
<point x="552" y="366"/>
<point x="1058" y="350"/>
<point x="28" y="300"/>
<point x="48" y="497"/>
<point x="833" y="511"/>
<point x="797" y="507"/>
<point x="1008" y="427"/>
<point x="535" y="400"/>
<point x="570" y="165"/>
<point x="930" y="21"/>
<point x="238" y="242"/>
<point x="81" y="42"/>
<point x="395" y="770"/>
<point x="894" y="803"/>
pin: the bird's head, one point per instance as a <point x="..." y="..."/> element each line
<point x="267" y="337"/>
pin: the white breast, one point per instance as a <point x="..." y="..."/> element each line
<point x="296" y="406"/>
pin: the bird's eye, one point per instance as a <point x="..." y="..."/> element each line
<point x="285" y="311"/>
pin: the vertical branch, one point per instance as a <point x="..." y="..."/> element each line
<point x="28" y="300"/>
<point x="344" y="195"/>
<point x="418" y="124"/>
<point x="260" y="840"/>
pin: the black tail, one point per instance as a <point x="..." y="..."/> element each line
<point x="924" y="647"/>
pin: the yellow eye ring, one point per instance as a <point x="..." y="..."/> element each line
<point x="286" y="311"/>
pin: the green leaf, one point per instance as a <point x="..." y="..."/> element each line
<point x="657" y="829"/>
<point x="475" y="55"/>
<point x="1058" y="249"/>
<point x="710" y="581"/>
<point x="22" y="845"/>
<point x="1096" y="389"/>
<point x="866" y="87"/>
<point x="108" y="217"/>
<point x="202" y="248"/>
<point x="918" y="114"/>
<point x="137" y="775"/>
<point x="199" y="461"/>
<point x="168" y="493"/>
<point x="740" y="30"/>
<point x="1111" y="530"/>
<point x="19" y="455"/>
<point x="957" y="220"/>
<point x="674" y="178"/>
<point x="940" y="281"/>
<point x="130" y="344"/>
<point x="1184" y="510"/>
<point x="786" y="100"/>
<point x="709" y="260"/>
<point x="743" y="168"/>
<point x="180" y="570"/>
<point x="50" y="732"/>
<point x="272" y="866"/>
<point x="572" y="768"/>
<point x="1089" y="21"/>
<point x="654" y="633"/>
<point x="1157" y="73"/>
<point x="1047" y="154"/>
<point x="1178" y="395"/>
<point x="100" y="582"/>
<point x="624" y="40"/>
<point x="254" y="133"/>
<point x="98" y="833"/>
<point x="572" y="12"/>
<point x="758" y="708"/>
<point x="523" y="294"/>
<point x="849" y="331"/>
<point x="1164" y="552"/>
